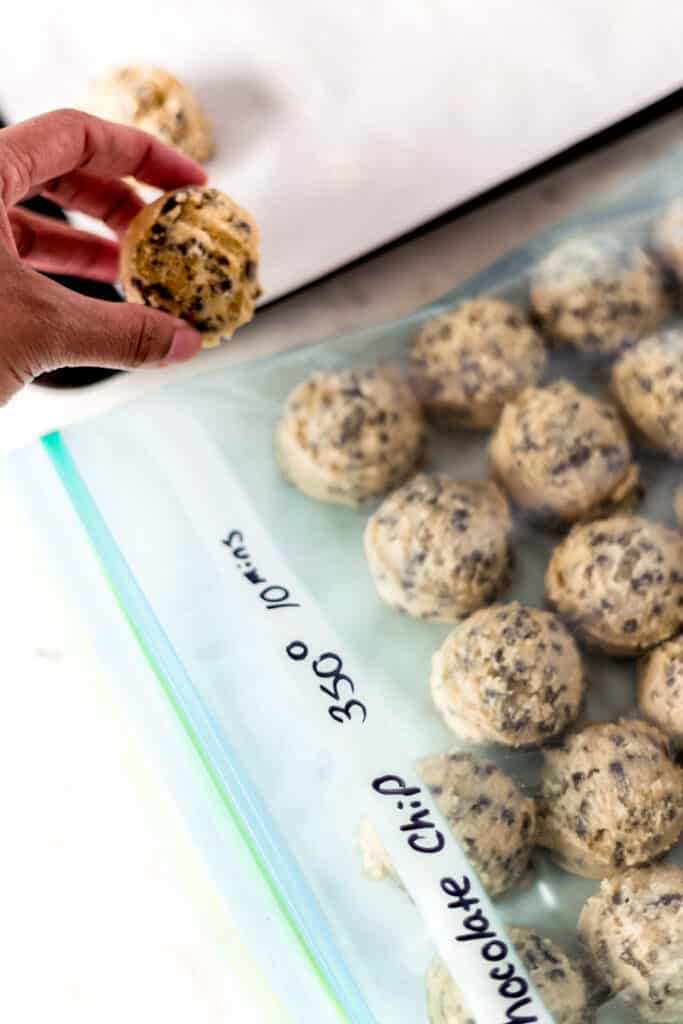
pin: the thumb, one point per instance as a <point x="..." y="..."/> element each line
<point x="122" y="335"/>
<point x="45" y="326"/>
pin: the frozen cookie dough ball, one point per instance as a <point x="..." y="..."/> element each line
<point x="467" y="363"/>
<point x="660" y="688"/>
<point x="487" y="813"/>
<point x="611" y="799"/>
<point x="563" y="454"/>
<point x="510" y="675"/>
<point x="633" y="927"/>
<point x="194" y="253"/>
<point x="648" y="383"/>
<point x="620" y="582"/>
<point x="347" y="436"/>
<point x="598" y="293"/>
<point x="438" y="548"/>
<point x="559" y="981"/>
<point x="667" y="237"/>
<point x="154" y="101"/>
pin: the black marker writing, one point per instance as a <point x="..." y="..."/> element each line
<point x="424" y="837"/>
<point x="273" y="595"/>
<point x="476" y="927"/>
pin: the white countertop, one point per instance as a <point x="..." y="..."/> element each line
<point x="109" y="912"/>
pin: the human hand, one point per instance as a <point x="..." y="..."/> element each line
<point x="78" y="161"/>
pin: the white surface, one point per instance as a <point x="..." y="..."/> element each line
<point x="342" y="125"/>
<point x="108" y="912"/>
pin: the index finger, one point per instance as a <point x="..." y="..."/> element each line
<point x="46" y="147"/>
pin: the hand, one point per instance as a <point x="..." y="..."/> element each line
<point x="78" y="161"/>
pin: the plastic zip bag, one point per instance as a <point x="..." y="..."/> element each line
<point x="304" y="695"/>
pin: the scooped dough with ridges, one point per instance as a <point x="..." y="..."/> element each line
<point x="468" y="362"/>
<point x="563" y="454"/>
<point x="194" y="254"/>
<point x="648" y="384"/>
<point x="438" y="548"/>
<point x="560" y="983"/>
<point x="598" y="293"/>
<point x="487" y="812"/>
<point x="660" y="688"/>
<point x="347" y="436"/>
<point x="154" y="101"/>
<point x="633" y="929"/>
<point x="619" y="581"/>
<point x="611" y="799"/>
<point x="509" y="674"/>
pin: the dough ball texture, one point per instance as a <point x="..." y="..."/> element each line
<point x="438" y="548"/>
<point x="468" y="362"/>
<point x="508" y="674"/>
<point x="154" y="101"/>
<point x="660" y="688"/>
<point x="633" y="927"/>
<point x="347" y="436"/>
<point x="598" y="293"/>
<point x="194" y="253"/>
<point x="611" y="799"/>
<point x="563" y="454"/>
<point x="619" y="581"/>
<point x="667" y="237"/>
<point x="559" y="981"/>
<point x="488" y="814"/>
<point x="648" y="383"/>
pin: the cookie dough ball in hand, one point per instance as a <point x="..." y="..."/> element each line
<point x="467" y="363"/>
<point x="620" y="582"/>
<point x="598" y="293"/>
<point x="487" y="813"/>
<point x="667" y="237"/>
<point x="660" y="688"/>
<point x="648" y="383"/>
<point x="633" y="927"/>
<point x="348" y="436"/>
<point x="562" y="454"/>
<point x="510" y="675"/>
<point x="154" y="101"/>
<point x="611" y="799"/>
<point x="194" y="253"/>
<point x="559" y="981"/>
<point x="438" y="548"/>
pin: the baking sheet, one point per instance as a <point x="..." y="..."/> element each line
<point x="342" y="126"/>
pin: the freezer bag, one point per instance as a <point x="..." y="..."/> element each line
<point x="305" y="697"/>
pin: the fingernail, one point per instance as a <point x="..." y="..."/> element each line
<point x="185" y="345"/>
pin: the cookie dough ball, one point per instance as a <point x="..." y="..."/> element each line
<point x="510" y="675"/>
<point x="633" y="927"/>
<point x="598" y="293"/>
<point x="611" y="799"/>
<point x="467" y="363"/>
<point x="559" y="981"/>
<point x="562" y="454"/>
<point x="155" y="101"/>
<point x="488" y="814"/>
<point x="667" y="237"/>
<point x="660" y="688"/>
<point x="648" y="383"/>
<point x="620" y="582"/>
<point x="194" y="254"/>
<point x="347" y="436"/>
<point x="438" y="548"/>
